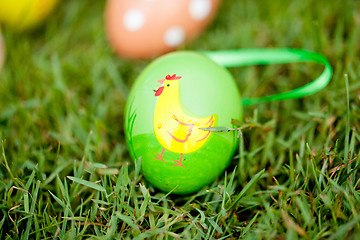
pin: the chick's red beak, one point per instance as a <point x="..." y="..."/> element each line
<point x="159" y="91"/>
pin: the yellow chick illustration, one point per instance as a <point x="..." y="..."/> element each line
<point x="176" y="129"/>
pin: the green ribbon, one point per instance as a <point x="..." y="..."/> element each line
<point x="248" y="57"/>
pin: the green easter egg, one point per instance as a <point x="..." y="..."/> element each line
<point x="171" y="101"/>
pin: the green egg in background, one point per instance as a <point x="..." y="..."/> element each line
<point x="182" y="94"/>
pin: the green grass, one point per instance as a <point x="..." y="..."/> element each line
<point x="65" y="171"/>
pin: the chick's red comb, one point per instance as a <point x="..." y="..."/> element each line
<point x="173" y="77"/>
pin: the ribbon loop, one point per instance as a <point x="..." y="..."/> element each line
<point x="248" y="57"/>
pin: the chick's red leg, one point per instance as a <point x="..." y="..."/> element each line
<point x="179" y="162"/>
<point x="160" y="156"/>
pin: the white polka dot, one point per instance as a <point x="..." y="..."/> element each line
<point x="133" y="20"/>
<point x="174" y="36"/>
<point x="199" y="9"/>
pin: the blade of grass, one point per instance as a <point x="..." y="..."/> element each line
<point x="347" y="126"/>
<point x="87" y="183"/>
<point x="247" y="187"/>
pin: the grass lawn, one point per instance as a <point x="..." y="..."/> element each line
<point x="65" y="171"/>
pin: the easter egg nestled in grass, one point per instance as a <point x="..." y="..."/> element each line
<point x="171" y="104"/>
<point x="144" y="29"/>
<point x="21" y="15"/>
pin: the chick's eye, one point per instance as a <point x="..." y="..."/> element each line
<point x="168" y="85"/>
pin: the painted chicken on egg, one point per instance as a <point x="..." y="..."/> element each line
<point x="176" y="128"/>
